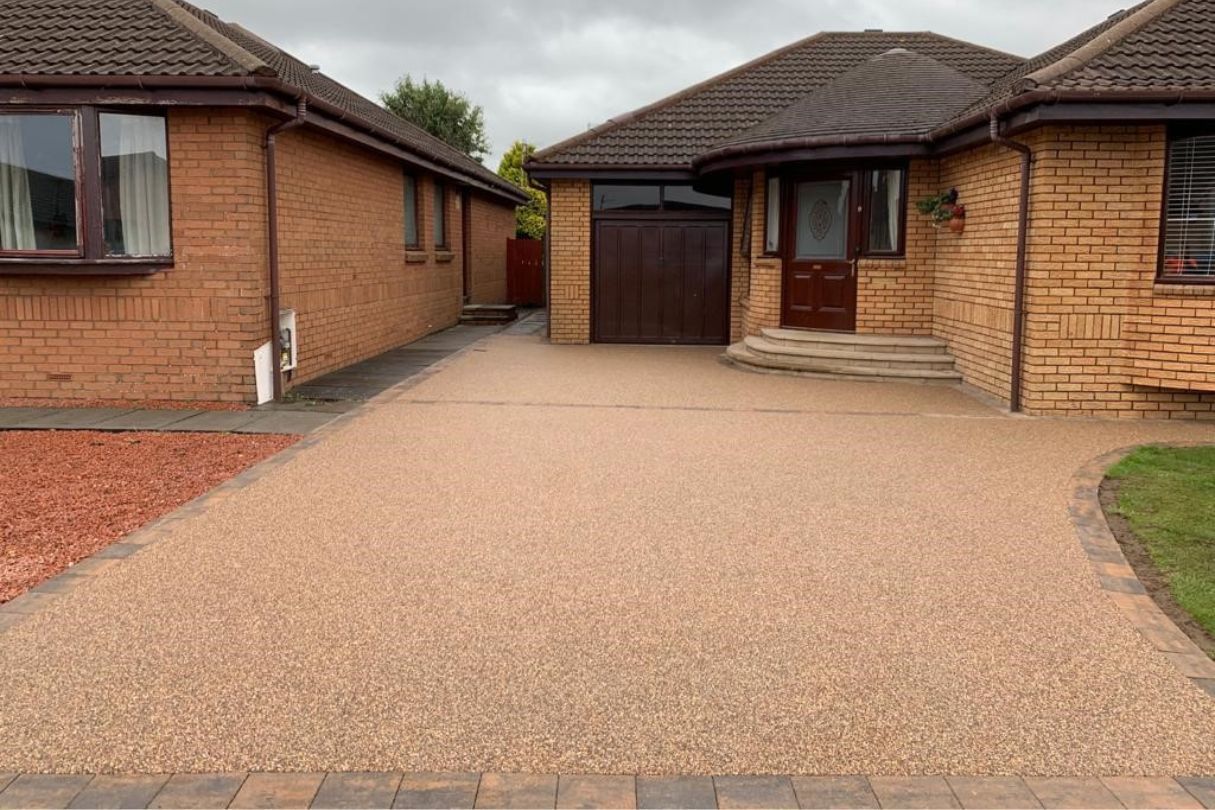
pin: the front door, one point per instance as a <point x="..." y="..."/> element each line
<point x="819" y="284"/>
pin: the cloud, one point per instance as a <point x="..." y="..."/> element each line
<point x="546" y="69"/>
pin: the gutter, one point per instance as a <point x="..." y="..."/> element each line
<point x="274" y="304"/>
<point x="1018" y="337"/>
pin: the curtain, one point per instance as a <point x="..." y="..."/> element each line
<point x="894" y="186"/>
<point x="16" y="207"/>
<point x="143" y="184"/>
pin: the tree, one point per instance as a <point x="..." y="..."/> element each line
<point x="446" y="114"/>
<point x="532" y="216"/>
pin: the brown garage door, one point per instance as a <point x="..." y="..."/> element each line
<point x="661" y="281"/>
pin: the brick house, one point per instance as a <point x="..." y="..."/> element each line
<point x="1066" y="265"/>
<point x="169" y="180"/>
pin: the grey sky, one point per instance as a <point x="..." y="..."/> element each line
<point x="546" y="69"/>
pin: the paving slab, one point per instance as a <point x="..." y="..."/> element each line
<point x="1201" y="788"/>
<point x="1072" y="793"/>
<point x="992" y="792"/>
<point x="286" y="422"/>
<point x="267" y="791"/>
<point x="741" y="792"/>
<point x="120" y="791"/>
<point x="36" y="791"/>
<point x="675" y="792"/>
<point x="71" y="418"/>
<point x="357" y="790"/>
<point x="841" y="792"/>
<point x="589" y="791"/>
<point x="14" y="417"/>
<point x="517" y="790"/>
<point x="204" y="791"/>
<point x="437" y="791"/>
<point x="214" y="422"/>
<point x="145" y="420"/>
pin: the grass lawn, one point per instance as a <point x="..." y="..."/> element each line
<point x="1167" y="495"/>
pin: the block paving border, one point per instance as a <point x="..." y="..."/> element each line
<point x="1119" y="581"/>
<point x="558" y="792"/>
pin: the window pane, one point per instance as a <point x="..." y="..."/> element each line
<point x="772" y="228"/>
<point x="885" y="207"/>
<point x="135" y="185"/>
<point x="1189" y="228"/>
<point x="440" y="215"/>
<point x="411" y="210"/>
<point x="627" y="198"/>
<point x="685" y="198"/>
<point x="822" y="220"/>
<point x="37" y="183"/>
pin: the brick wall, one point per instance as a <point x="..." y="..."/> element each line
<point x="1102" y="339"/>
<point x="975" y="270"/>
<point x="741" y="249"/>
<point x="187" y="334"/>
<point x="492" y="224"/>
<point x="570" y="261"/>
<point x="761" y="310"/>
<point x="895" y="296"/>
<point x="342" y="259"/>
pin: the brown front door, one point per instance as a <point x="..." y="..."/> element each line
<point x="819" y="285"/>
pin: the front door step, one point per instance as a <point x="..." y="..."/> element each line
<point x="487" y="314"/>
<point x="847" y="356"/>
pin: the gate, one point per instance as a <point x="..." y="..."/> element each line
<point x="525" y="272"/>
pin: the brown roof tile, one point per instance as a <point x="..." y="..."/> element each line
<point x="674" y="131"/>
<point x="899" y="95"/>
<point x="173" y="38"/>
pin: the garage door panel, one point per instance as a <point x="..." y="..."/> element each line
<point x="661" y="282"/>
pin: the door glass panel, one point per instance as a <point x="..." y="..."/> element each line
<point x="822" y="220"/>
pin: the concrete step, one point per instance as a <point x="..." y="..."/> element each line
<point x="484" y="314"/>
<point x="833" y="368"/>
<point x="849" y="341"/>
<point x="844" y="356"/>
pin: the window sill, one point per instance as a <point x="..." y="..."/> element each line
<point x="82" y="267"/>
<point x="443" y="256"/>
<point x="416" y="256"/>
<point x="1183" y="288"/>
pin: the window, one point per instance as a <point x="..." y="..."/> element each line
<point x="440" y="215"/>
<point x="38" y="184"/>
<point x="884" y="221"/>
<point x="642" y="198"/>
<point x="134" y="185"/>
<point x="411" y="211"/>
<point x="1188" y="245"/>
<point x="627" y="198"/>
<point x="686" y="198"/>
<point x="772" y="216"/>
<point x="84" y="185"/>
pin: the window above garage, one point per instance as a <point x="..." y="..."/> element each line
<point x="680" y="198"/>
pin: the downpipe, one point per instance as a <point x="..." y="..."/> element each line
<point x="275" y="299"/>
<point x="1018" y="337"/>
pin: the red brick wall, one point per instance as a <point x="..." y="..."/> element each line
<point x="186" y="334"/>
<point x="189" y="333"/>
<point x="343" y="264"/>
<point x="492" y="225"/>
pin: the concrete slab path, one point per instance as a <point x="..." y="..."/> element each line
<point x="622" y="560"/>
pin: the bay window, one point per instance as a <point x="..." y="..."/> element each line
<point x="83" y="186"/>
<point x="1188" y="246"/>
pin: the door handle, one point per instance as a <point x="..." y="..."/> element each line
<point x="852" y="269"/>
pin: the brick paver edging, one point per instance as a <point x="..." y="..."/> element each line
<point x="42" y="596"/>
<point x="1119" y="581"/>
<point x="490" y="790"/>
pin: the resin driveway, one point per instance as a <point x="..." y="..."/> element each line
<point x="622" y="560"/>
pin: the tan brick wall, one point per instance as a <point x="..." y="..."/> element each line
<point x="491" y="224"/>
<point x="570" y="261"/>
<point x="187" y="334"/>
<point x="1101" y="338"/>
<point x="761" y="309"/>
<point x="895" y="296"/>
<point x="975" y="270"/>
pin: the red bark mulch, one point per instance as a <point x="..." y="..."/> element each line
<point x="67" y="494"/>
<point x="145" y="404"/>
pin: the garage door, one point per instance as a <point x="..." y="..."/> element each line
<point x="661" y="281"/>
